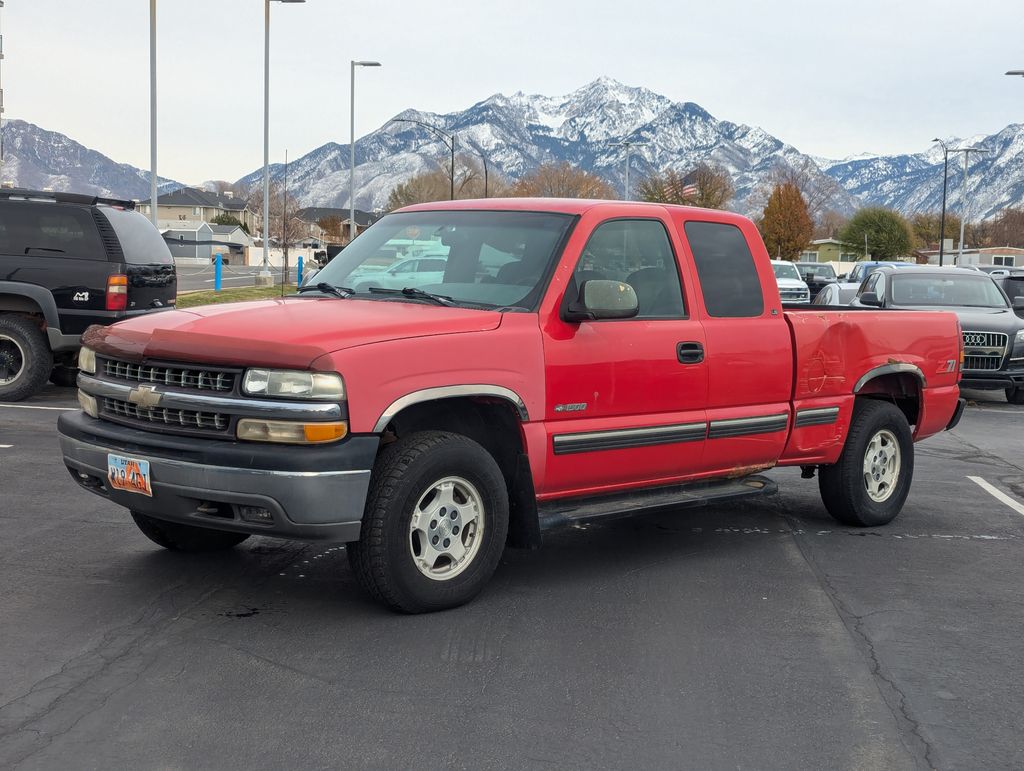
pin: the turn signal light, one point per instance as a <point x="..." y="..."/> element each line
<point x="287" y="432"/>
<point x="117" y="293"/>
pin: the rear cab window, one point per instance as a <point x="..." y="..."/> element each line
<point x="726" y="271"/>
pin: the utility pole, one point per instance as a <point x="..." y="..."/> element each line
<point x="942" y="218"/>
<point x="352" y="148"/>
<point x="284" y="223"/>
<point x="449" y="140"/>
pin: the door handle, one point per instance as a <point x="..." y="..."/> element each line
<point x="690" y="353"/>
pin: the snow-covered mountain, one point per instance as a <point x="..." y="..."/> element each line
<point x="37" y="158"/>
<point x="519" y="132"/>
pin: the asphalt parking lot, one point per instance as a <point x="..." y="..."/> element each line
<point x="197" y="277"/>
<point x="749" y="636"/>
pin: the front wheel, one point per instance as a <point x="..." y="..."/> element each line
<point x="871" y="481"/>
<point x="435" y="523"/>
<point x="1015" y="395"/>
<point x="185" y="538"/>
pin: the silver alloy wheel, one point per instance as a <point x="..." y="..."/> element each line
<point x="12" y="360"/>
<point x="446" y="528"/>
<point x="882" y="465"/>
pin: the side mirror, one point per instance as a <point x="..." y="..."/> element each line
<point x="603" y="300"/>
<point x="308" y="277"/>
<point x="870" y="298"/>
<point x="842" y="277"/>
<point x="1018" y="303"/>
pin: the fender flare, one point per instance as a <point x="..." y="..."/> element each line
<point x="39" y="295"/>
<point x="893" y="368"/>
<point x="449" y="392"/>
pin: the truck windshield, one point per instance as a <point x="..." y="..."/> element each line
<point x="786" y="270"/>
<point x="963" y="291"/>
<point x="485" y="258"/>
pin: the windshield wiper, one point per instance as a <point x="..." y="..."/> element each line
<point x="337" y="291"/>
<point x="411" y="291"/>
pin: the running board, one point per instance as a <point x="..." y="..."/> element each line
<point x="565" y="512"/>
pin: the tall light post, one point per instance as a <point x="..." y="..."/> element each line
<point x="629" y="145"/>
<point x="265" y="277"/>
<point x="152" y="114"/>
<point x="2" y="99"/>
<point x="483" y="158"/>
<point x="352" y="149"/>
<point x="942" y="217"/>
<point x="963" y="213"/>
<point x="449" y="143"/>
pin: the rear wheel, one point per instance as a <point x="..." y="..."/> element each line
<point x="186" y="538"/>
<point x="1015" y="395"/>
<point x="871" y="481"/>
<point x="25" y="358"/>
<point x="435" y="523"/>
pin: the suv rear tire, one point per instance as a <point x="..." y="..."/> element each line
<point x="871" y="481"/>
<point x="25" y="358"/>
<point x="185" y="538"/>
<point x="435" y="523"/>
<point x="1015" y="395"/>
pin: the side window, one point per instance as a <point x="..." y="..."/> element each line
<point x="430" y="266"/>
<point x="49" y="230"/>
<point x="639" y="253"/>
<point x="726" y="270"/>
<point x="871" y="285"/>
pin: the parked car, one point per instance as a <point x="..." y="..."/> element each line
<point x="997" y="271"/>
<point x="428" y="269"/>
<point x="67" y="262"/>
<point x="1013" y="288"/>
<point x="993" y="335"/>
<point x="836" y="294"/>
<point x="816" y="275"/>
<point x="864" y="269"/>
<point x="792" y="288"/>
<point x="628" y="356"/>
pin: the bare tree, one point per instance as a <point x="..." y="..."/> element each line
<point x="561" y="180"/>
<point x="829" y="223"/>
<point x="820" y="192"/>
<point x="277" y="230"/>
<point x="707" y="186"/>
<point x="435" y="185"/>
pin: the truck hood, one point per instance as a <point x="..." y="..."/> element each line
<point x="790" y="283"/>
<point x="289" y="332"/>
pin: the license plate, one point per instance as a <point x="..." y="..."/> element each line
<point x="129" y="474"/>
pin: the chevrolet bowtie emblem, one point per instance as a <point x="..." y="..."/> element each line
<point x="145" y="396"/>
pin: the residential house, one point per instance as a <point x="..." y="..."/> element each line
<point x="1008" y="256"/>
<point x="188" y="240"/>
<point x="828" y="250"/>
<point x="314" y="214"/>
<point x="189" y="204"/>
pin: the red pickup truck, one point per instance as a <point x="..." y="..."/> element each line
<point x="557" y="361"/>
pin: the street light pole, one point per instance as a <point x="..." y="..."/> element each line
<point x="963" y="214"/>
<point x="449" y="143"/>
<point x="153" y="201"/>
<point x="265" y="273"/>
<point x="942" y="217"/>
<point x="352" y="148"/>
<point x="629" y="145"/>
<point x="2" y="99"/>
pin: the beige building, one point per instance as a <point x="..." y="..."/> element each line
<point x="189" y="204"/>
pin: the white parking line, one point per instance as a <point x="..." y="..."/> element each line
<point x="6" y="446"/>
<point x="37" y="407"/>
<point x="999" y="495"/>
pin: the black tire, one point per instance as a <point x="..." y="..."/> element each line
<point x="1015" y="395"/>
<point x="25" y="358"/>
<point x="404" y="473"/>
<point x="843" y="488"/>
<point x="185" y="538"/>
<point x="65" y="377"/>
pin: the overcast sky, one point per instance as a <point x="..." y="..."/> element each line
<point x="832" y="79"/>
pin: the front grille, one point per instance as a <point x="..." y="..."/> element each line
<point x="794" y="294"/>
<point x="207" y="422"/>
<point x="984" y="351"/>
<point x="985" y="340"/>
<point x="180" y="376"/>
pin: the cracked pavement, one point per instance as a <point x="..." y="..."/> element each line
<point x="754" y="635"/>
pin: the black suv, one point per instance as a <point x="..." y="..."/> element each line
<point x="66" y="262"/>
<point x="993" y="336"/>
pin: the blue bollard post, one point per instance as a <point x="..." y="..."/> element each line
<point x="217" y="272"/>
<point x="298" y="279"/>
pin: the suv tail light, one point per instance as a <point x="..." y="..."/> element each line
<point x="117" y="293"/>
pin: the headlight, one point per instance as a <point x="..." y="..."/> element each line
<point x="294" y="383"/>
<point x="87" y="360"/>
<point x="287" y="432"/>
<point x="1020" y="336"/>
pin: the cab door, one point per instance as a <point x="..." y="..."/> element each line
<point x="625" y="398"/>
<point x="749" y="347"/>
